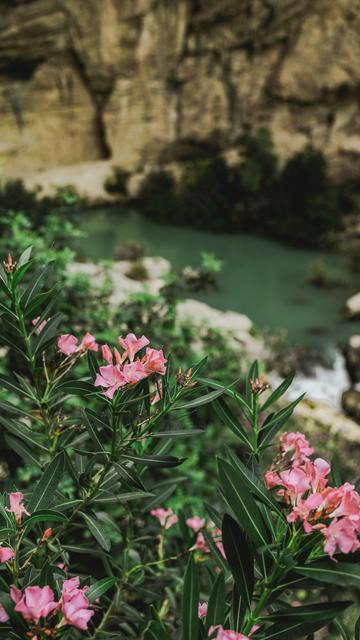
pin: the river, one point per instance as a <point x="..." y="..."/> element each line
<point x="260" y="277"/>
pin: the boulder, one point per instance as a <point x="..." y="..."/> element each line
<point x="352" y="307"/>
<point x="352" y="358"/>
<point x="351" y="403"/>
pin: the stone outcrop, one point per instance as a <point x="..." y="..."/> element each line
<point x="86" y="80"/>
<point x="352" y="307"/>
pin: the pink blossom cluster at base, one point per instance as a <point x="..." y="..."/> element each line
<point x="303" y="484"/>
<point x="69" y="344"/>
<point x="38" y="603"/>
<point x="123" y="369"/>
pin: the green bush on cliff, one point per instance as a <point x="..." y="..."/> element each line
<point x="296" y="204"/>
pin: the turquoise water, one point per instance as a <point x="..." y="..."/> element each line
<point x="261" y="278"/>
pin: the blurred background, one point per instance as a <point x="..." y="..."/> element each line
<point x="196" y="165"/>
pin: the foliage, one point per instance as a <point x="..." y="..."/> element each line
<point x="15" y="197"/>
<point x="296" y="204"/>
<point x="103" y="446"/>
<point x="117" y="183"/>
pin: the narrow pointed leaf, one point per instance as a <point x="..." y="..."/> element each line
<point x="216" y="607"/>
<point x="97" y="531"/>
<point x="341" y="573"/>
<point x="99" y="588"/>
<point x="227" y="416"/>
<point x="239" y="554"/>
<point x="44" y="491"/>
<point x="242" y="503"/>
<point x="190" y="601"/>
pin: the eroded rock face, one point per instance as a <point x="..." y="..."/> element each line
<point x="125" y="79"/>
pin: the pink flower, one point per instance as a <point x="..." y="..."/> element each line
<point x="296" y="482"/>
<point x="342" y="534"/>
<point x="6" y="554"/>
<point x="34" y="603"/>
<point x="226" y="634"/>
<point x="41" y="325"/>
<point x="154" y="362"/>
<point x="349" y="505"/>
<point x="295" y="446"/>
<point x="3" y="615"/>
<point x="166" y="517"/>
<point x="202" y="610"/>
<point x="317" y="471"/>
<point x="304" y="509"/>
<point x="75" y="606"/>
<point x="133" y="372"/>
<point x="88" y="343"/>
<point x="67" y="344"/>
<point x="111" y="378"/>
<point x="132" y="345"/>
<point x="271" y="479"/>
<point x="220" y="547"/>
<point x="17" y="505"/>
<point x="195" y="523"/>
<point x="200" y="544"/>
<point x="106" y="354"/>
<point x="76" y="609"/>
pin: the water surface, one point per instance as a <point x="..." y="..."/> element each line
<point x="260" y="277"/>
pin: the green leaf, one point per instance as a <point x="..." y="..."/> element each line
<point x="34" y="285"/>
<point x="190" y="601"/>
<point x="99" y="588"/>
<point x="44" y="491"/>
<point x="292" y="630"/>
<point x="21" y="431"/>
<point x="178" y="433"/>
<point x="155" y="631"/>
<point x="340" y="627"/>
<point x="253" y="482"/>
<point x="48" y="333"/>
<point x="4" y="282"/>
<point x="25" y="256"/>
<point x="238" y="610"/>
<point x="75" y="388"/>
<point x="92" y="431"/>
<point x="92" y="364"/>
<point x="129" y="475"/>
<point x="242" y="503"/>
<point x="39" y="300"/>
<point x="274" y="425"/>
<point x="10" y="386"/>
<point x="216" y="607"/>
<point x="357" y="629"/>
<point x="227" y="416"/>
<point x="277" y="393"/>
<point x="231" y="393"/>
<point x="198" y="402"/>
<point x="98" y="531"/>
<point x="153" y="460"/>
<point x="44" y="515"/>
<point x="23" y="450"/>
<point x="5" y="309"/>
<point x="239" y="554"/>
<point x="321" y="612"/>
<point x="341" y="573"/>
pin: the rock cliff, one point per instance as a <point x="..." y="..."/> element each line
<point x="84" y="80"/>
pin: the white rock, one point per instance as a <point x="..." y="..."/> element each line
<point x="352" y="306"/>
<point x="234" y="327"/>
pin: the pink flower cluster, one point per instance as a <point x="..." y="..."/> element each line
<point x="35" y="603"/>
<point x="122" y="368"/>
<point x="303" y="484"/>
<point x="196" y="524"/>
<point x="69" y="344"/>
<point x="166" y="517"/>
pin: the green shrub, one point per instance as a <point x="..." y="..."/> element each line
<point x="118" y="181"/>
<point x="297" y="204"/>
<point x="305" y="204"/>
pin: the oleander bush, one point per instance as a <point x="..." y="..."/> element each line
<point x="89" y="546"/>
